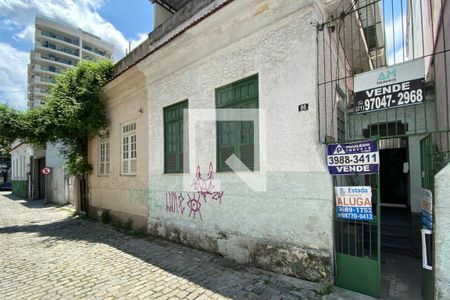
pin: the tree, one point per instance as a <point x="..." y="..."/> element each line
<point x="74" y="112"/>
<point x="72" y="115"/>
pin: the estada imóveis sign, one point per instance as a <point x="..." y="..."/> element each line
<point x="354" y="203"/>
<point x="390" y="87"/>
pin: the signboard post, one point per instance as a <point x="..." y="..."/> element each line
<point x="389" y="87"/>
<point x="354" y="203"/>
<point x="353" y="158"/>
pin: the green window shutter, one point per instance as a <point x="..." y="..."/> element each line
<point x="173" y="137"/>
<point x="237" y="137"/>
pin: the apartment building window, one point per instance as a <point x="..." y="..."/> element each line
<point x="173" y="137"/>
<point x="104" y="155"/>
<point x="129" y="151"/>
<point x="237" y="137"/>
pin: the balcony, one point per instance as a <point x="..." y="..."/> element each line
<point x="50" y="69"/>
<point x="65" y="39"/>
<point x="44" y="80"/>
<point x="57" y="59"/>
<point x="62" y="50"/>
<point x="42" y="92"/>
<point x="96" y="52"/>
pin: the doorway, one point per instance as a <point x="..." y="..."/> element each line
<point x="41" y="179"/>
<point x="394" y="179"/>
<point x="400" y="270"/>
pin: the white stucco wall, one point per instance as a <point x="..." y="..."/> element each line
<point x="20" y="161"/>
<point x="287" y="228"/>
<point x="124" y="196"/>
<point x="441" y="231"/>
<point x="53" y="157"/>
<point x="54" y="182"/>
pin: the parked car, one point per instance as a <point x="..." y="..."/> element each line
<point x="6" y="186"/>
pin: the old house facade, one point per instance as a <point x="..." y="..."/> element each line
<point x="223" y="117"/>
<point x="120" y="155"/>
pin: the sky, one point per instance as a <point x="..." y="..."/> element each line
<point x="395" y="30"/>
<point x="116" y="21"/>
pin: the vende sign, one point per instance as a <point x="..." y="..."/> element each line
<point x="390" y="87"/>
<point x="353" y="158"/>
<point x="354" y="203"/>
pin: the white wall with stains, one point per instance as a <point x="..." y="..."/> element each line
<point x="288" y="227"/>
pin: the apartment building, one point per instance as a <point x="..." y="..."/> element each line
<point x="59" y="47"/>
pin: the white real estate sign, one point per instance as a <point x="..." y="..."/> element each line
<point x="390" y="87"/>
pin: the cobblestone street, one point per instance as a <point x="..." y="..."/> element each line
<point x="47" y="253"/>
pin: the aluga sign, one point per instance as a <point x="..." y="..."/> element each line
<point x="354" y="203"/>
<point x="390" y="87"/>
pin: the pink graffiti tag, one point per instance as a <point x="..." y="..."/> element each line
<point x="174" y="202"/>
<point x="203" y="189"/>
<point x="194" y="205"/>
<point x="217" y="196"/>
<point x="205" y="186"/>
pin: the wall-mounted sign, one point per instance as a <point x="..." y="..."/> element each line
<point x="303" y="107"/>
<point x="427" y="209"/>
<point x="46" y="171"/>
<point x="389" y="87"/>
<point x="427" y="249"/>
<point x="354" y="203"/>
<point x="353" y="158"/>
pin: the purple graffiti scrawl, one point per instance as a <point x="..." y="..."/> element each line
<point x="194" y="205"/>
<point x="203" y="190"/>
<point x="174" y="202"/>
<point x="205" y="186"/>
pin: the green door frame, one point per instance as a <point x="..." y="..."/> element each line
<point x="428" y="172"/>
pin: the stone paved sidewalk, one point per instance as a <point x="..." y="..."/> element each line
<point x="45" y="253"/>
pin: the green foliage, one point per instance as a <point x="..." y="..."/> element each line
<point x="129" y="224"/>
<point x="72" y="115"/>
<point x="105" y="217"/>
<point x="4" y="148"/>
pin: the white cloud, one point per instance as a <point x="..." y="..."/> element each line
<point x="78" y="13"/>
<point x="26" y="35"/>
<point x="8" y="25"/>
<point x="13" y="76"/>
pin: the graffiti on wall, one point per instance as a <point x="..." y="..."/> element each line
<point x="190" y="203"/>
<point x="139" y="197"/>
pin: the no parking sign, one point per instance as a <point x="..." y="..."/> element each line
<point x="46" y="171"/>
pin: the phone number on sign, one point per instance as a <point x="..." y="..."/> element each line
<point x="350" y="209"/>
<point x="353" y="159"/>
<point x="400" y="94"/>
<point x="404" y="98"/>
<point x="356" y="217"/>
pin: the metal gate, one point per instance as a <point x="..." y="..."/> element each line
<point x="367" y="35"/>
<point x="357" y="243"/>
<point x="428" y="172"/>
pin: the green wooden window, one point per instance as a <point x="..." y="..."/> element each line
<point x="237" y="137"/>
<point x="173" y="137"/>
